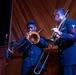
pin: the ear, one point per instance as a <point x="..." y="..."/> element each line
<point x="58" y="15"/>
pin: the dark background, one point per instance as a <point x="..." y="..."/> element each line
<point x="5" y="18"/>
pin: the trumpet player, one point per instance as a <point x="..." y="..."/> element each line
<point x="31" y="52"/>
<point x="66" y="41"/>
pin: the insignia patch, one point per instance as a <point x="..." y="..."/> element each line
<point x="73" y="26"/>
<point x="74" y="29"/>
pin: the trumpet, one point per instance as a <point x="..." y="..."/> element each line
<point x="52" y="37"/>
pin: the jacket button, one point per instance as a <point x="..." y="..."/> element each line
<point x="31" y="58"/>
<point x="60" y="50"/>
<point x="31" y="52"/>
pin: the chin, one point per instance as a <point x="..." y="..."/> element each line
<point x="57" y="20"/>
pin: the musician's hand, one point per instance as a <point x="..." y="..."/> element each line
<point x="7" y="53"/>
<point x="13" y="43"/>
<point x="27" y="37"/>
<point x="32" y="40"/>
<point x="57" y="31"/>
<point x="57" y="37"/>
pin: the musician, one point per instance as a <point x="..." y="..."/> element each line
<point x="31" y="52"/>
<point x="66" y="41"/>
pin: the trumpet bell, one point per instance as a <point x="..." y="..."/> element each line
<point x="33" y="37"/>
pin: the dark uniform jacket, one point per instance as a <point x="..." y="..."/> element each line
<point x="32" y="52"/>
<point x="67" y="44"/>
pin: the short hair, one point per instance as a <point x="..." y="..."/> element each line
<point x="31" y="22"/>
<point x="61" y="10"/>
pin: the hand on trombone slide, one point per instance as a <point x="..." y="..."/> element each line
<point x="57" y="31"/>
<point x="57" y="34"/>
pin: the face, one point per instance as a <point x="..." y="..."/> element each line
<point x="57" y="17"/>
<point x="31" y="28"/>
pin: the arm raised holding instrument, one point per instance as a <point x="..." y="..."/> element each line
<point x="32" y="47"/>
<point x="66" y="41"/>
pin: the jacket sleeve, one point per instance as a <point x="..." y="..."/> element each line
<point x="71" y="31"/>
<point x="23" y="45"/>
<point x="43" y="42"/>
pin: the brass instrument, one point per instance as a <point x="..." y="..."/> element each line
<point x="50" y="49"/>
<point x="33" y="37"/>
<point x="53" y="36"/>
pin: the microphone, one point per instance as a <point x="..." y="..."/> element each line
<point x="6" y="39"/>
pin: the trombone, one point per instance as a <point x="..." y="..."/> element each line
<point x="43" y="62"/>
<point x="54" y="40"/>
<point x="32" y="37"/>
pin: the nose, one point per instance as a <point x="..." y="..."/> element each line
<point x="29" y="28"/>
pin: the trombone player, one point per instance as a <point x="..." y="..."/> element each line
<point x="66" y="41"/>
<point x="32" y="47"/>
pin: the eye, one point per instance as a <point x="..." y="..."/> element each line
<point x="57" y="15"/>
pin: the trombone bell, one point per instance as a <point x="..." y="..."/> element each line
<point x="33" y="37"/>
